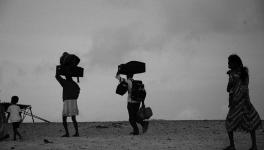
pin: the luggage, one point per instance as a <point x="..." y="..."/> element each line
<point x="138" y="92"/>
<point x="132" y="67"/>
<point x="68" y="66"/>
<point x="69" y="59"/>
<point x="122" y="88"/>
<point x="70" y="71"/>
<point x="144" y="113"/>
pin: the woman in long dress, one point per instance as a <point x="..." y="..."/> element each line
<point x="241" y="115"/>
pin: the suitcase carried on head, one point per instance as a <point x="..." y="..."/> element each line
<point x="132" y="67"/>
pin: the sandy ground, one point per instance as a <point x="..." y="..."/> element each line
<point x="162" y="135"/>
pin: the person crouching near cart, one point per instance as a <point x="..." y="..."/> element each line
<point x="70" y="95"/>
<point x="14" y="116"/>
<point x="133" y="107"/>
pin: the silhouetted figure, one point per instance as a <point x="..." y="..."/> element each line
<point x="70" y="95"/>
<point x="3" y="121"/>
<point x="14" y="116"/>
<point x="133" y="107"/>
<point x="242" y="115"/>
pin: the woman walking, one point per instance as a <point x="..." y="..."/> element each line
<point x="242" y="114"/>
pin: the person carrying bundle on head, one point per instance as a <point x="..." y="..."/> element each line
<point x="133" y="105"/>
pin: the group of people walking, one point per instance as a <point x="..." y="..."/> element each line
<point x="241" y="115"/>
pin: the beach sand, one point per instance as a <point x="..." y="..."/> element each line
<point x="162" y="135"/>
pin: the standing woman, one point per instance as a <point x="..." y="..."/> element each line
<point x="241" y="114"/>
<point x="70" y="95"/>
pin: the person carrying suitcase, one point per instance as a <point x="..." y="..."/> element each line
<point x="133" y="106"/>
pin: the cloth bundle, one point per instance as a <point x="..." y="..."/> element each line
<point x="69" y="66"/>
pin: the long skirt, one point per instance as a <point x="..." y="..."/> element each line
<point x="70" y="108"/>
<point x="243" y="117"/>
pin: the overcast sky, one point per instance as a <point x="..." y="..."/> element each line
<point x="184" y="43"/>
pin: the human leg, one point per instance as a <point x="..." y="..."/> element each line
<point x="132" y="118"/>
<point x="231" y="140"/>
<point x="14" y="131"/>
<point x="143" y="123"/>
<point x="253" y="140"/>
<point x="64" y="122"/>
<point x="75" y="124"/>
<point x="17" y="126"/>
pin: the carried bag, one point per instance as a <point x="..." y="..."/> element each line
<point x="138" y="92"/>
<point x="122" y="88"/>
<point x="144" y="112"/>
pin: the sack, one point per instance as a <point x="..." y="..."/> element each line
<point x="69" y="60"/>
<point x="144" y="113"/>
<point x="138" y="92"/>
<point x="121" y="88"/>
<point x="68" y="66"/>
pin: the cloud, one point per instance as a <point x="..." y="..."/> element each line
<point x="211" y="15"/>
<point x="155" y="25"/>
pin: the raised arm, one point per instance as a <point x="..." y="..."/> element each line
<point x="59" y="79"/>
<point x="119" y="78"/>
<point x="230" y="82"/>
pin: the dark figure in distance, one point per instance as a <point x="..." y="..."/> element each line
<point x="70" y="95"/>
<point x="241" y="115"/>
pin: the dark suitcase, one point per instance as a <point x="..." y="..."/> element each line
<point x="132" y="67"/>
<point x="70" y="71"/>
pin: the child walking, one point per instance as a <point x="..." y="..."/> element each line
<point x="14" y="116"/>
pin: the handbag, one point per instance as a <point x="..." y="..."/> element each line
<point x="121" y="88"/>
<point x="144" y="113"/>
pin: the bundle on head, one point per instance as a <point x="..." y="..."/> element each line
<point x="69" y="66"/>
<point x="69" y="60"/>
